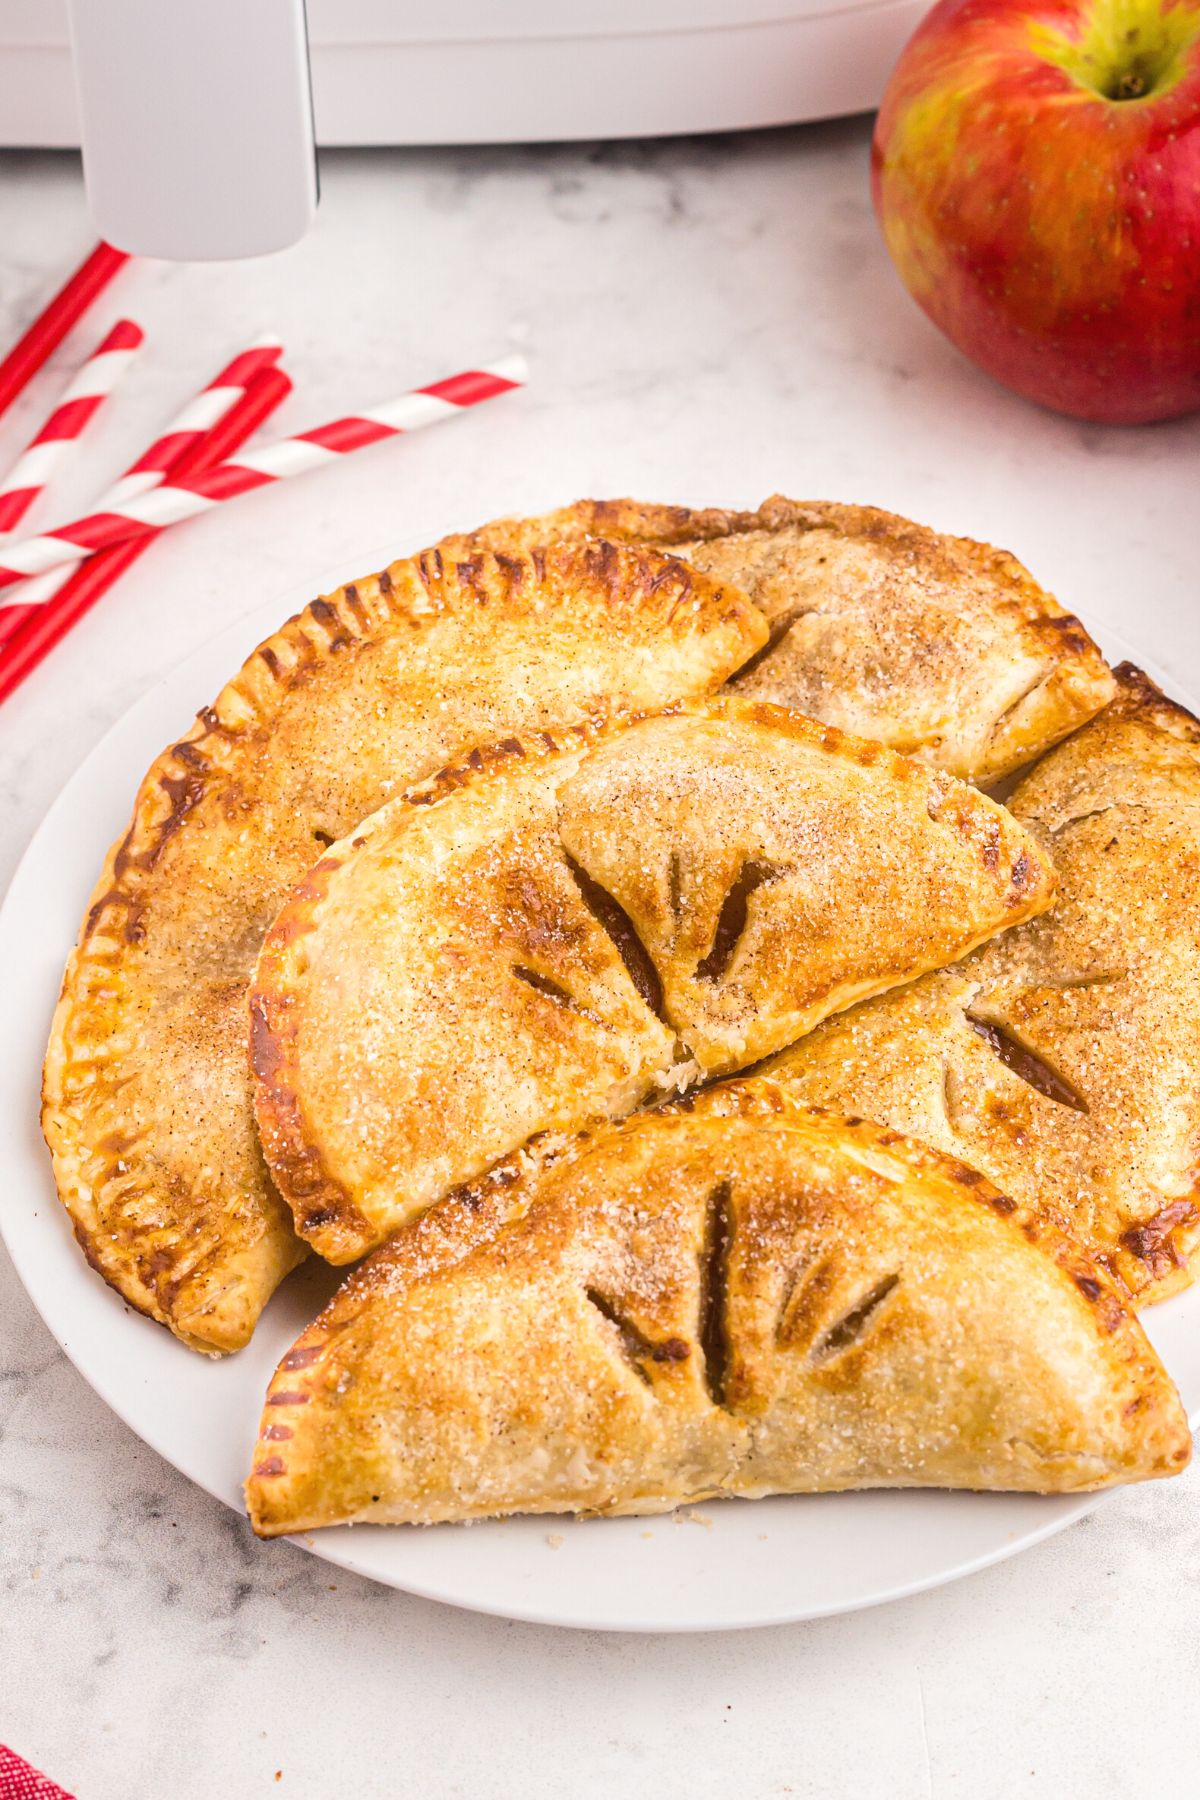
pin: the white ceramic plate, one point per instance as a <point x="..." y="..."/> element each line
<point x="725" y="1564"/>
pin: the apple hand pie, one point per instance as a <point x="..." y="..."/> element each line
<point x="1063" y="1060"/>
<point x="936" y="645"/>
<point x="754" y="1301"/>
<point x="147" y="1089"/>
<point x="559" y="926"/>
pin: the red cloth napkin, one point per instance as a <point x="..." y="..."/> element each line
<point x="19" y="1782"/>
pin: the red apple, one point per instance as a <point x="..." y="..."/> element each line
<point x="1036" y="171"/>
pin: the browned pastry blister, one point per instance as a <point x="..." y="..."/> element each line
<point x="1063" y="1059"/>
<point x="939" y="646"/>
<point x="744" y="1299"/>
<point x="559" y="927"/>
<point x="147" y="1088"/>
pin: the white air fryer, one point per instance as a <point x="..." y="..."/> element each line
<point x="196" y="116"/>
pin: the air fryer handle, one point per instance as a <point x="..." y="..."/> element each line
<point x="196" y="122"/>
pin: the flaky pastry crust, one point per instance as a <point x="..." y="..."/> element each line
<point x="1063" y="1060"/>
<point x="939" y="646"/>
<point x="744" y="1300"/>
<point x="147" y="1091"/>
<point x="559" y="927"/>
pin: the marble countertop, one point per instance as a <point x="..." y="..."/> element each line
<point x="707" y="321"/>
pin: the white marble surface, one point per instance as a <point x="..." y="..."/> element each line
<point x="707" y="321"/>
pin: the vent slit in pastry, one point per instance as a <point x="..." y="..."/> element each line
<point x="1082" y="818"/>
<point x="636" y="1347"/>
<point x="1106" y="986"/>
<point x="1105" y="978"/>
<point x="851" y="1327"/>
<point x="675" y="885"/>
<point x="455" y="1376"/>
<point x="553" y="990"/>
<point x="1006" y="717"/>
<point x="612" y="917"/>
<point x="934" y="645"/>
<point x="811" y="874"/>
<point x="794" y="1325"/>
<point x="731" y="921"/>
<point x="712" y="1324"/>
<point x="949" y="1094"/>
<point x="1032" y="1069"/>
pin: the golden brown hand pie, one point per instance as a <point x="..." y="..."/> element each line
<point x="557" y="927"/>
<point x="147" y="1089"/>
<point x="1063" y="1060"/>
<point x="936" y="645"/>
<point x="684" y="1306"/>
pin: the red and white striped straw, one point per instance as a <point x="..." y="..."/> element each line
<point x="58" y="437"/>
<point x="194" y="422"/>
<point x="56" y="318"/>
<point x="176" y="500"/>
<point x="92" y="580"/>
<point x="181" y="437"/>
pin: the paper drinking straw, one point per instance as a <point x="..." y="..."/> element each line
<point x="56" y="319"/>
<point x="182" y="498"/>
<point x="181" y="436"/>
<point x="56" y="441"/>
<point x="50" y="623"/>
